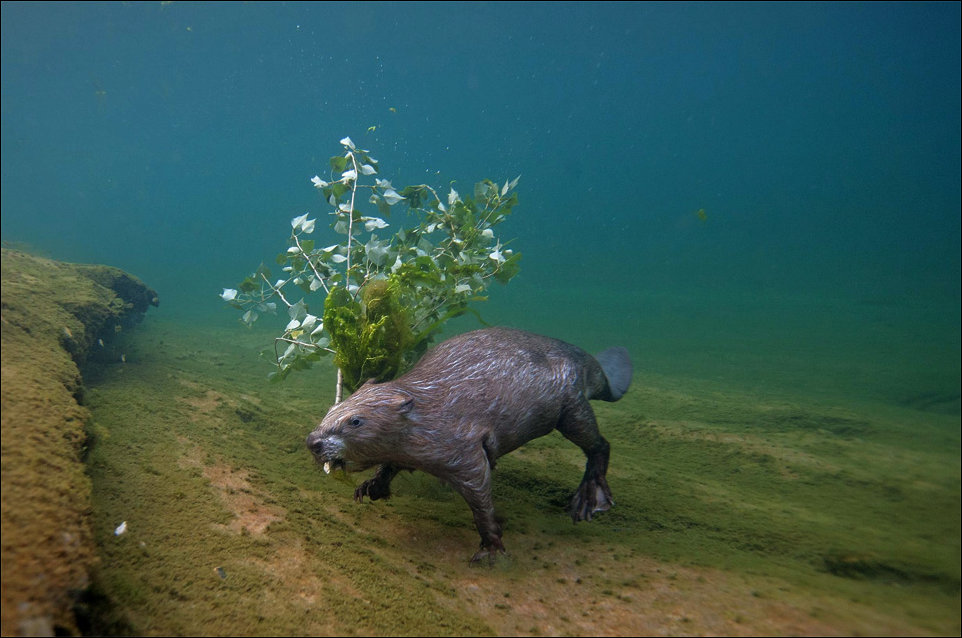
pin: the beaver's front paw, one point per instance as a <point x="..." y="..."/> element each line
<point x="373" y="489"/>
<point x="591" y="497"/>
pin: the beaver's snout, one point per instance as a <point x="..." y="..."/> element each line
<point x="326" y="449"/>
<point x="315" y="443"/>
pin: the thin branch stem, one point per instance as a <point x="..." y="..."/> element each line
<point x="306" y="344"/>
<point x="277" y="289"/>
<point x="350" y="221"/>
<point x="327" y="291"/>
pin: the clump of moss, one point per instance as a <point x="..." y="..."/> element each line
<point x="372" y="337"/>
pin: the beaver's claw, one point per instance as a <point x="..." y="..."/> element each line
<point x="490" y="553"/>
<point x="372" y="488"/>
<point x="591" y="497"/>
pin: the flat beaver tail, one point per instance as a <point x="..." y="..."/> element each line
<point x="616" y="365"/>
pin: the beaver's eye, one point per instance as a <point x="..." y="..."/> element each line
<point x="356" y="421"/>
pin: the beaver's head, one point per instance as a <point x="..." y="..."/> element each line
<point x="365" y="429"/>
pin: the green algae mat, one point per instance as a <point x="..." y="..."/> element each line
<point x="735" y="515"/>
<point x="200" y="511"/>
<point x="54" y="316"/>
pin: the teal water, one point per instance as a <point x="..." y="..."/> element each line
<point x="822" y="142"/>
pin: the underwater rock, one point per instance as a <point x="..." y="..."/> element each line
<point x="52" y="315"/>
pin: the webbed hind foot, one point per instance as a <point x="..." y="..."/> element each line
<point x="488" y="554"/>
<point x="592" y="496"/>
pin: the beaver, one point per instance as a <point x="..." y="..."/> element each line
<point x="470" y="400"/>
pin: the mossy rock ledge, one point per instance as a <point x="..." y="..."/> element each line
<point x="55" y="316"/>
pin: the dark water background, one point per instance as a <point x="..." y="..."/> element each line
<point x="822" y="141"/>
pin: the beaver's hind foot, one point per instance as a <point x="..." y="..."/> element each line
<point x="591" y="497"/>
<point x="490" y="553"/>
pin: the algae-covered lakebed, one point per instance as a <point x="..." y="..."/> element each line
<point x="736" y="514"/>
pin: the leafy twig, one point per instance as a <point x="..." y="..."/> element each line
<point x="382" y="300"/>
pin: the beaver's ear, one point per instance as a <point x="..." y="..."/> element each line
<point x="402" y="402"/>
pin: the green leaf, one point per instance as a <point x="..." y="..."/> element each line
<point x="413" y="195"/>
<point x="297" y="310"/>
<point x="382" y="206"/>
<point x="338" y="163"/>
<point x="249" y="285"/>
<point x="485" y="189"/>
<point x="509" y="268"/>
<point x="376" y="252"/>
<point x="339" y="298"/>
<point x="335" y="192"/>
<point x="391" y="197"/>
<point x="373" y="223"/>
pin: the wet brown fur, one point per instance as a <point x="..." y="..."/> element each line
<point x="469" y="401"/>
